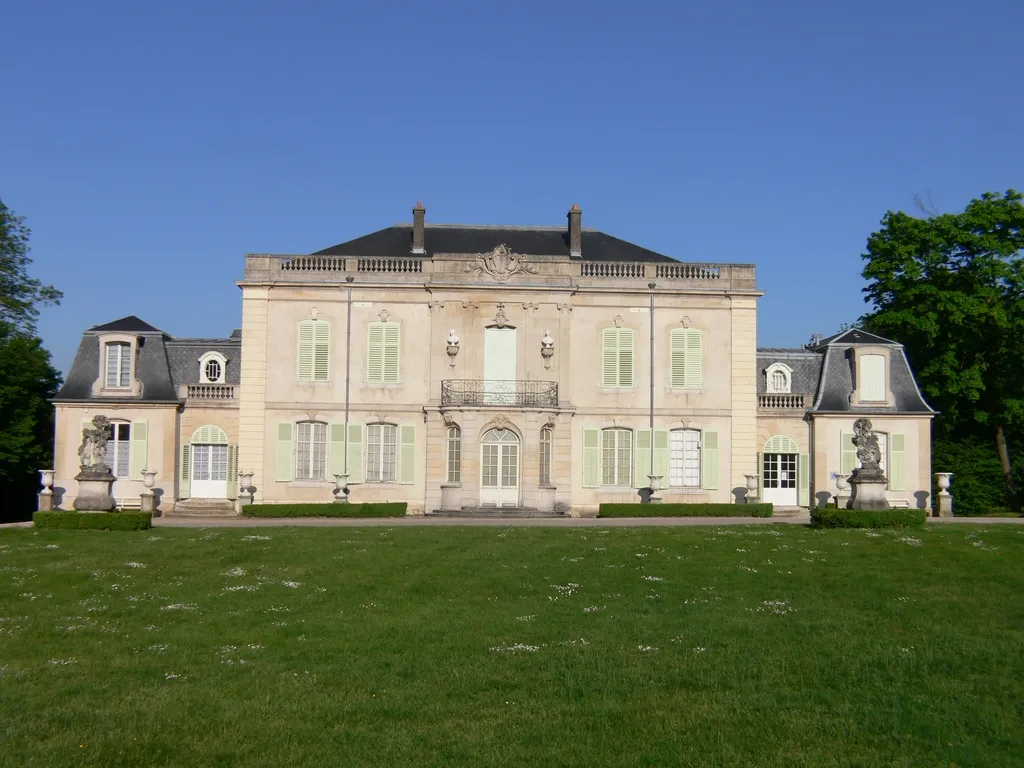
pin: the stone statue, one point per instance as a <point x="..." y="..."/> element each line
<point x="93" y="450"/>
<point x="866" y="440"/>
<point x="867" y="481"/>
<point x="547" y="342"/>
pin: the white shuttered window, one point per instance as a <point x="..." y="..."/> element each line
<point x="617" y="357"/>
<point x="382" y="353"/>
<point x="616" y="457"/>
<point x="310" y="451"/>
<point x="314" y="361"/>
<point x="381" y="453"/>
<point x="687" y="358"/>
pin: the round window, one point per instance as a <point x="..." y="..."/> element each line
<point x="213" y="370"/>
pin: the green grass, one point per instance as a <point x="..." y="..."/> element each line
<point x="356" y="509"/>
<point x="747" y="646"/>
<point x="685" y="510"/>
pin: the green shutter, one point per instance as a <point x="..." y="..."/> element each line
<point x="407" y="461"/>
<point x="232" y="471"/>
<point x="642" y="458"/>
<point x="321" y="350"/>
<point x="336" y="435"/>
<point x="661" y="459"/>
<point x="138" y="449"/>
<point x="760" y="476"/>
<point x="284" y="451"/>
<point x="694" y="375"/>
<point x="355" y="453"/>
<point x="610" y="357"/>
<point x="375" y="353"/>
<point x="709" y="459"/>
<point x="626" y="357"/>
<point x="848" y="461"/>
<point x="677" y="357"/>
<point x="591" y="458"/>
<point x="897" y="462"/>
<point x="185" y="478"/>
<point x="392" y="349"/>
<point x="803" y="481"/>
<point x="304" y="362"/>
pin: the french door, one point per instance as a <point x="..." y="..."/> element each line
<point x="779" y="478"/>
<point x="209" y="471"/>
<point x="499" y="469"/>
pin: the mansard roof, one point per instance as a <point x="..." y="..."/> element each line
<point x="804" y="364"/>
<point x="130" y="324"/>
<point x="396" y="241"/>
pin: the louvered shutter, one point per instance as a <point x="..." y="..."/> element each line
<point x="407" y="460"/>
<point x="610" y="357"/>
<point x="304" y="363"/>
<point x="803" y="481"/>
<point x="232" y="471"/>
<point x="677" y="357"/>
<point x="336" y="436"/>
<point x="642" y="458"/>
<point x="137" y="452"/>
<point x="321" y="350"/>
<point x="285" y="450"/>
<point x="760" y="476"/>
<point x="591" y="458"/>
<point x="625" y="357"/>
<point x="848" y="461"/>
<point x="375" y="353"/>
<point x="185" y="478"/>
<point x="709" y="460"/>
<point x="694" y="375"/>
<point x="392" y="350"/>
<point x="897" y="463"/>
<point x="355" y="453"/>
<point x="661" y="458"/>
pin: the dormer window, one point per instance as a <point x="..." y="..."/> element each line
<point x="872" y="378"/>
<point x="118" y="365"/>
<point x="779" y="379"/>
<point x="212" y="367"/>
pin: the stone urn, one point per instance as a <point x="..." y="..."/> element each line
<point x="841" y="482"/>
<point x="46" y="495"/>
<point x="752" y="481"/>
<point x="148" y="478"/>
<point x="341" y="489"/>
<point x="147" y="497"/>
<point x="942" y="479"/>
<point x="245" y="483"/>
<point x="655" y="486"/>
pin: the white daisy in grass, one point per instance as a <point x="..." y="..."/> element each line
<point x="646" y="649"/>
<point x="236" y="571"/>
<point x="292" y="584"/>
<point x="653" y="578"/>
<point x="133" y="564"/>
<point x="514" y="648"/>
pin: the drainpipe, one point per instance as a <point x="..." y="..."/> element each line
<point x="652" y="286"/>
<point x="348" y="367"/>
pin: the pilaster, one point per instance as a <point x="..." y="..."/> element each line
<point x="253" y="388"/>
<point x="743" y="381"/>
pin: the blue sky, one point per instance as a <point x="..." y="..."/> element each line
<point x="152" y="145"/>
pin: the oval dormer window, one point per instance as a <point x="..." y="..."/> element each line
<point x="212" y="366"/>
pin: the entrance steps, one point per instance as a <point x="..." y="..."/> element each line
<point x="493" y="512"/>
<point x="203" y="508"/>
<point x="789" y="512"/>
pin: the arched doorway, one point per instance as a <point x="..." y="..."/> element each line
<point x="779" y="471"/>
<point x="499" y="469"/>
<point x="209" y="449"/>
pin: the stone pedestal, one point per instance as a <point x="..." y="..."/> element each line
<point x="945" y="506"/>
<point x="867" y="491"/>
<point x="842" y="499"/>
<point x="148" y="499"/>
<point x="94" y="490"/>
<point x="244" y="497"/>
<point x="451" y="495"/>
<point x="46" y="501"/>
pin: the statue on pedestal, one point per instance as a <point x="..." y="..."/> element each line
<point x="93" y="450"/>
<point x="95" y="478"/>
<point x="867" y="481"/>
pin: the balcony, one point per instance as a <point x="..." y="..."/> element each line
<point x="778" y="402"/>
<point x="210" y="393"/>
<point x="511" y="394"/>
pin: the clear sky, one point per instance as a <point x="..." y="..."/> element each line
<point x="152" y="145"/>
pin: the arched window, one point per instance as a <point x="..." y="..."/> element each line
<point x="454" y="454"/>
<point x="119" y="448"/>
<point x="684" y="458"/>
<point x="779" y="379"/>
<point x="212" y="368"/>
<point x="617" y="457"/>
<point x="546" y="438"/>
<point x="310" y="450"/>
<point x="381" y="453"/>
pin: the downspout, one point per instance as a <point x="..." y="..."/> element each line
<point x="348" y="372"/>
<point x="651" y="286"/>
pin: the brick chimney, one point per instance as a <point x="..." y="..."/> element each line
<point x="575" y="232"/>
<point x="419" y="213"/>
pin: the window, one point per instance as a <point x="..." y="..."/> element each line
<point x="381" y="453"/>
<point x="686" y="353"/>
<point x="119" y="448"/>
<point x="616" y="457"/>
<point x="684" y="458"/>
<point x="872" y="378"/>
<point x="546" y="436"/>
<point x="617" y="357"/>
<point x="119" y="365"/>
<point x="382" y="353"/>
<point x="212" y="366"/>
<point x="454" y="455"/>
<point x="310" y="451"/>
<point x="314" y="363"/>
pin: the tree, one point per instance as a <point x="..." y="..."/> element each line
<point x="950" y="287"/>
<point x="20" y="295"/>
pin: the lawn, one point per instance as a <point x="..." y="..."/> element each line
<point x="745" y="646"/>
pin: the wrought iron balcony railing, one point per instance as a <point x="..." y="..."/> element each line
<point x="514" y="394"/>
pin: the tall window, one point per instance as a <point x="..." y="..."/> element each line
<point x="684" y="458"/>
<point x="454" y="455"/>
<point x="314" y="363"/>
<point x="310" y="451"/>
<point x="119" y="448"/>
<point x="616" y="457"/>
<point x="686" y="358"/>
<point x="546" y="436"/>
<point x="119" y="365"/>
<point x="381" y="453"/>
<point x="872" y="378"/>
<point x="382" y="353"/>
<point x="617" y="357"/>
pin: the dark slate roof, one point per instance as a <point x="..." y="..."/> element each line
<point x="837" y="383"/>
<point x="851" y="336"/>
<point x="806" y="367"/>
<point x="396" y="241"/>
<point x="163" y="362"/>
<point x="130" y="324"/>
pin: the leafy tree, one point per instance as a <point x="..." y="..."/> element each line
<point x="950" y="287"/>
<point x="20" y="295"/>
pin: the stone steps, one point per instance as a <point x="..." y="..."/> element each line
<point x="492" y="512"/>
<point x="204" y="508"/>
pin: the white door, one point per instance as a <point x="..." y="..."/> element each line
<point x="209" y="472"/>
<point x="499" y="366"/>
<point x="499" y="469"/>
<point x="779" y="477"/>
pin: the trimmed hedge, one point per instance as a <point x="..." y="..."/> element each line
<point x="389" y="509"/>
<point x="825" y="517"/>
<point x="101" y="521"/>
<point x="685" y="510"/>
